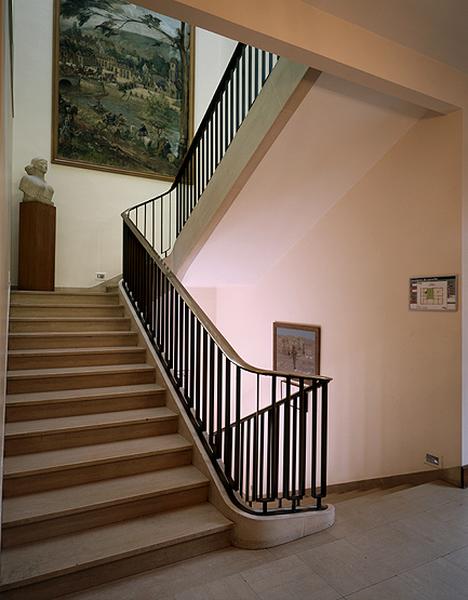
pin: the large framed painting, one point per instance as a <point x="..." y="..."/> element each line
<point x="123" y="88"/>
<point x="296" y="348"/>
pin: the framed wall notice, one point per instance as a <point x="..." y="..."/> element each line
<point x="433" y="293"/>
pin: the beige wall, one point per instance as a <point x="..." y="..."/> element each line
<point x="5" y="150"/>
<point x="396" y="392"/>
<point x="88" y="202"/>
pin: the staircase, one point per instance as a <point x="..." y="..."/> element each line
<point x="98" y="484"/>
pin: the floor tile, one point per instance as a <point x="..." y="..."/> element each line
<point x="391" y="589"/>
<point x="174" y="579"/>
<point x="227" y="588"/>
<point x="305" y="543"/>
<point x="442" y="537"/>
<point x="400" y="549"/>
<point x="345" y="567"/>
<point x="288" y="578"/>
<point x="455" y="512"/>
<point x="459" y="558"/>
<point x="438" y="580"/>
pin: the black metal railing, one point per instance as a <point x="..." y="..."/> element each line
<point x="264" y="431"/>
<point x="270" y="450"/>
<point x="161" y="219"/>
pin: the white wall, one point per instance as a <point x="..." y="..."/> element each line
<point x="396" y="390"/>
<point x="88" y="202"/>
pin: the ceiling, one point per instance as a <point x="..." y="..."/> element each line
<point x="438" y="28"/>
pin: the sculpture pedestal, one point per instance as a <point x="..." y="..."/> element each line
<point x="36" y="269"/>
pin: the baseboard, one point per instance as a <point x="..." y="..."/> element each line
<point x="464" y="477"/>
<point x="417" y="478"/>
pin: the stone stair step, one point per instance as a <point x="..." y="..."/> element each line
<point x="64" y="297"/>
<point x="61" y="565"/>
<point x="71" y="339"/>
<point x="43" y="380"/>
<point x="41" y="471"/>
<point x="42" y="435"/>
<point x="78" y="324"/>
<point x="78" y="357"/>
<point x="62" y="403"/>
<point x="26" y="309"/>
<point x="57" y="512"/>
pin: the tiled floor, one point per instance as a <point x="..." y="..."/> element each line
<point x="407" y="545"/>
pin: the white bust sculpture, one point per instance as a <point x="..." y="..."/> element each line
<point x="33" y="185"/>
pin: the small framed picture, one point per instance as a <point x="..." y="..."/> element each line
<point x="296" y="348"/>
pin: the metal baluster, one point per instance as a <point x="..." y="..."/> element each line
<point x="286" y="440"/>
<point x="227" y="419"/>
<point x="212" y="393"/>
<point x="231" y="115"/>
<point x="255" y="451"/>
<point x="206" y="387"/>
<point x="238" y="445"/>
<point x="219" y="401"/>
<point x="180" y="341"/>
<point x="294" y="443"/>
<point x="247" y="464"/>
<point x="256" y="83"/>
<point x="191" y="358"/>
<point x="242" y="457"/>
<point x="197" y="378"/>
<point x="323" y="445"/>
<point x="261" y="458"/>
<point x="314" y="446"/>
<point x="302" y="437"/>
<point x="186" y="349"/>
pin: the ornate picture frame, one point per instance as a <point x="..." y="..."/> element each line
<point x="296" y="348"/>
<point x="123" y="84"/>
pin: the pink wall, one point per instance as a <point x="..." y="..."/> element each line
<point x="396" y="392"/>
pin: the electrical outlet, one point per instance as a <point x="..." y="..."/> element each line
<point x="100" y="275"/>
<point x="433" y="460"/>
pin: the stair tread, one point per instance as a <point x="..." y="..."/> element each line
<point x="67" y="319"/>
<point x="60" y="293"/>
<point x="22" y="510"/>
<point x="92" y="421"/>
<point x="85" y="393"/>
<point x="38" y="462"/>
<point x="62" y="305"/>
<point x="72" y="351"/>
<point x="73" y="552"/>
<point x="35" y="334"/>
<point x="103" y="369"/>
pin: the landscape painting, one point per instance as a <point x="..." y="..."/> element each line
<point x="296" y="348"/>
<point x="122" y="88"/>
